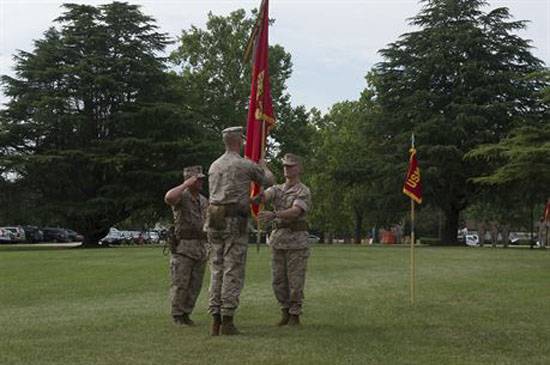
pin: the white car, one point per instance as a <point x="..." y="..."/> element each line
<point x="6" y="236"/>
<point x="18" y="233"/>
<point x="152" y="237"/>
<point x="472" y="240"/>
<point x="312" y="239"/>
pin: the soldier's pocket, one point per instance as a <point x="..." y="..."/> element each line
<point x="215" y="217"/>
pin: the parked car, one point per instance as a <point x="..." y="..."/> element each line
<point x="33" y="234"/>
<point x="472" y="240"/>
<point x="74" y="236"/>
<point x="152" y="237"/>
<point x="52" y="234"/>
<point x="114" y="237"/>
<point x="18" y="233"/>
<point x="313" y="239"/>
<point x="6" y="236"/>
<point x="520" y="238"/>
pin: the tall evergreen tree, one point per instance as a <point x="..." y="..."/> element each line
<point x="459" y="81"/>
<point x="93" y="128"/>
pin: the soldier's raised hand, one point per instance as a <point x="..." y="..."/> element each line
<point x="190" y="181"/>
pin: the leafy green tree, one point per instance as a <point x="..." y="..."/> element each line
<point x="521" y="159"/>
<point x="93" y="128"/>
<point x="517" y="173"/>
<point x="460" y="80"/>
<point x="348" y="187"/>
<point x="214" y="76"/>
<point x="216" y="82"/>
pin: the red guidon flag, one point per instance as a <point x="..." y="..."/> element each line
<point x="413" y="185"/>
<point x="260" y="113"/>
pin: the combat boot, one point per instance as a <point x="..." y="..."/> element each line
<point x="178" y="319"/>
<point x="294" y="320"/>
<point x="186" y="320"/>
<point x="216" y="323"/>
<point x="285" y="316"/>
<point x="228" y="327"/>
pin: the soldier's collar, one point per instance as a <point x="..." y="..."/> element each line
<point x="287" y="186"/>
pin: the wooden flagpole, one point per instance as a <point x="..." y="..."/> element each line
<point x="258" y="225"/>
<point x="413" y="239"/>
<point x="413" y="261"/>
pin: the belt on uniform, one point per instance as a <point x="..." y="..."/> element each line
<point x="295" y="226"/>
<point x="233" y="210"/>
<point x="191" y="234"/>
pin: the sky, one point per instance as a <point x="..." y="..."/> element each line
<point x="333" y="43"/>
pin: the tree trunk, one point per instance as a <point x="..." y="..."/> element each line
<point x="440" y="226"/>
<point x="505" y="233"/>
<point x="358" y="226"/>
<point x="481" y="229"/>
<point x="451" y="227"/>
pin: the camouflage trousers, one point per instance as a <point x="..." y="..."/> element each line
<point x="288" y="277"/>
<point x="186" y="274"/>
<point x="227" y="266"/>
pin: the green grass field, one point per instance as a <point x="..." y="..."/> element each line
<point x="110" y="306"/>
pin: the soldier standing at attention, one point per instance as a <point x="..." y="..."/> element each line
<point x="291" y="202"/>
<point x="229" y="181"/>
<point x="188" y="243"/>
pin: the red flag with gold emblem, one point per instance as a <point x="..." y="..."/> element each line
<point x="260" y="113"/>
<point x="413" y="185"/>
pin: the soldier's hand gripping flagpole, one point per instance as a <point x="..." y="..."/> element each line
<point x="413" y="189"/>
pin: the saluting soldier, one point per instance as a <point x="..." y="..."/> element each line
<point x="229" y="179"/>
<point x="291" y="202"/>
<point x="188" y="244"/>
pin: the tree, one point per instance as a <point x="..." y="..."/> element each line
<point x="348" y="183"/>
<point x="214" y="76"/>
<point x="216" y="82"/>
<point x="93" y="129"/>
<point x="459" y="81"/>
<point x="517" y="168"/>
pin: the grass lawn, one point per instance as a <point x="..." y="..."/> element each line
<point x="110" y="306"/>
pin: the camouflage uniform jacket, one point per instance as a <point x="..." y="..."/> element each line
<point x="283" y="197"/>
<point x="189" y="216"/>
<point x="229" y="179"/>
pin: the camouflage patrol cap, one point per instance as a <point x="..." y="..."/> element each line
<point x="193" y="171"/>
<point x="291" y="159"/>
<point x="233" y="130"/>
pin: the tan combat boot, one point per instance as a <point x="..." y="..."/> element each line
<point x="228" y="328"/>
<point x="285" y="316"/>
<point x="294" y="320"/>
<point x="216" y="323"/>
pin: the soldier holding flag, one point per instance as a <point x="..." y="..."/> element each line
<point x="229" y="179"/>
<point x="289" y="239"/>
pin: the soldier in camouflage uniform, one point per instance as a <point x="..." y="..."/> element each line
<point x="229" y="181"/>
<point x="291" y="202"/>
<point x="188" y="243"/>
